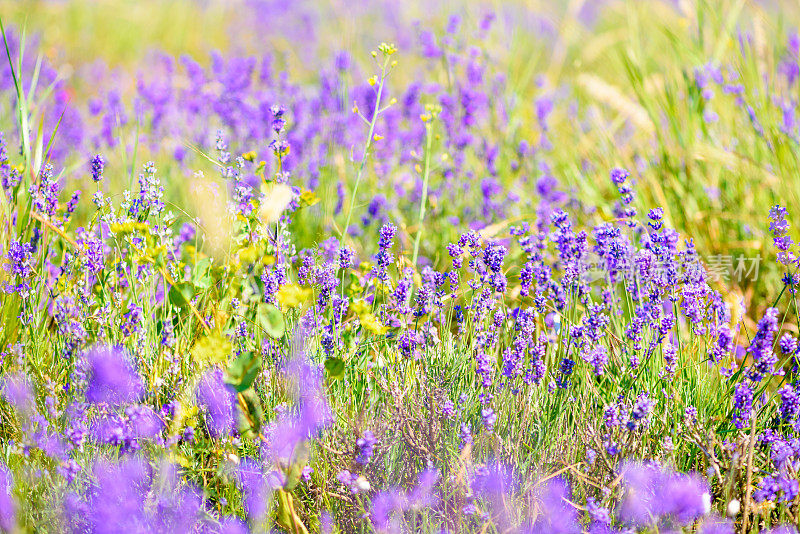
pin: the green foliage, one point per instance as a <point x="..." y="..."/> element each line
<point x="242" y="371"/>
<point x="270" y="319"/>
<point x="335" y="368"/>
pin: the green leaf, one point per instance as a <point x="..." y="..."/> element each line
<point x="242" y="372"/>
<point x="308" y="198"/>
<point x="181" y="294"/>
<point x="254" y="418"/>
<point x="203" y="275"/>
<point x="282" y="513"/>
<point x="271" y="320"/>
<point x="335" y="367"/>
<point x="39" y="147"/>
<point x="293" y="476"/>
<point x="286" y="517"/>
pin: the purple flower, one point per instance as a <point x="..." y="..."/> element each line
<point x="132" y="320"/>
<point x="217" y="400"/>
<point x="764" y="359"/>
<point x="597" y="358"/>
<point x="742" y="405"/>
<point x="305" y="474"/>
<point x="788" y="344"/>
<point x="429" y="48"/>
<point x="384" y="505"/>
<point x="557" y="516"/>
<point x="346" y="257"/>
<point x="271" y="279"/>
<point x="723" y="345"/>
<point x="641" y="411"/>
<point x="790" y="402"/>
<point x="710" y="116"/>
<point x="255" y="489"/>
<point x="655" y="215"/>
<point x="17" y="391"/>
<point x="384" y="257"/>
<point x="310" y="415"/>
<point x="97" y="164"/>
<point x="466" y="434"/>
<point x="690" y="415"/>
<point x="611" y="416"/>
<point x="653" y="493"/>
<point x="781" y="530"/>
<point x="8" y="508"/>
<point x="597" y="513"/>
<point x="71" y="205"/>
<point x="779" y="227"/>
<point x="618" y="176"/>
<point x="232" y="525"/>
<point x="393" y="500"/>
<point x="365" y="445"/>
<point x="776" y="488"/>
<point x="489" y="419"/>
<point x="119" y="500"/>
<point x="92" y="250"/>
<point x="45" y="193"/>
<point x="20" y="256"/>
<point x="112" y="378"/>
<point x="670" y="353"/>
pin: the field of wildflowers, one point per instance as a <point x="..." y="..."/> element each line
<point x="400" y="267"/>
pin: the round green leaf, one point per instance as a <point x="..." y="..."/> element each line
<point x="271" y="320"/>
<point x="335" y="367"/>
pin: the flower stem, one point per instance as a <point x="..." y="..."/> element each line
<point x="360" y="173"/>
<point x="424" y="200"/>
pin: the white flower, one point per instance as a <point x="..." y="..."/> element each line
<point x="733" y="508"/>
<point x="706" y="502"/>
<point x="362" y="484"/>
<point x="276" y="199"/>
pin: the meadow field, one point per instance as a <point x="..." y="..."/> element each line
<point x="400" y="267"/>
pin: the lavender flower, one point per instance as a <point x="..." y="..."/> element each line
<point x="8" y="508"/>
<point x="764" y="359"/>
<point x="641" y="411"/>
<point x="742" y="405"/>
<point x="597" y="513"/>
<point x="365" y="445"/>
<point x="112" y="378"/>
<point x="653" y="493"/>
<point x="97" y="164"/>
<point x="788" y="344"/>
<point x="384" y="257"/>
<point x="779" y="227"/>
<point x="558" y="516"/>
<point x="217" y="401"/>
<point x="20" y="256"/>
<point x="790" y="402"/>
<point x="346" y="258"/>
<point x="597" y="358"/>
<point x="489" y="419"/>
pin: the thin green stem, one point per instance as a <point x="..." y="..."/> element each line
<point x="424" y="200"/>
<point x="363" y="164"/>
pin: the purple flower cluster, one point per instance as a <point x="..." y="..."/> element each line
<point x="761" y="348"/>
<point x="654" y="494"/>
<point x="112" y="378"/>
<point x="365" y="445"/>
<point x="97" y="164"/>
